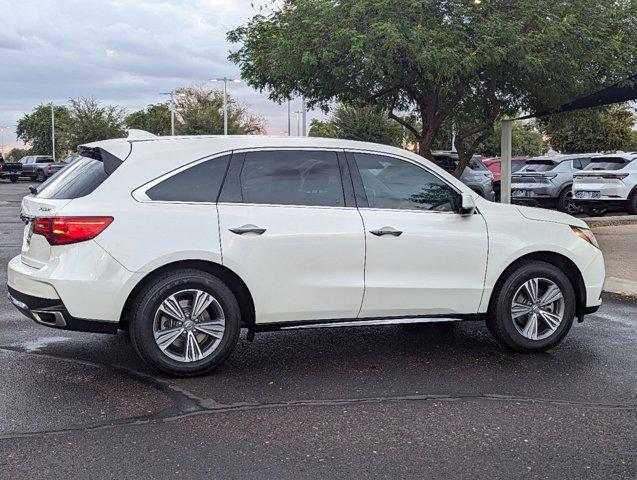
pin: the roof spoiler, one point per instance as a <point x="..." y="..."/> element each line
<point x="110" y="161"/>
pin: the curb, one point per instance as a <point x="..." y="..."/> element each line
<point x="621" y="286"/>
<point x="611" y="221"/>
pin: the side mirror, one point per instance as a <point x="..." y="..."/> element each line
<point x="468" y="205"/>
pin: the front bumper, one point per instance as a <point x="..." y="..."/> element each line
<point x="53" y="313"/>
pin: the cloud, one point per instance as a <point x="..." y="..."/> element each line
<point x="119" y="51"/>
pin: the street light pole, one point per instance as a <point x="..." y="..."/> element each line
<point x="289" y="120"/>
<point x="2" y="129"/>
<point x="225" y="81"/>
<point x="53" y="129"/>
<point x="298" y="122"/>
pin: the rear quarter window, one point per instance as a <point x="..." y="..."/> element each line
<point x="74" y="181"/>
<point x="199" y="183"/>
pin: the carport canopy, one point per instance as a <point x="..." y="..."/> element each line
<point x="622" y="91"/>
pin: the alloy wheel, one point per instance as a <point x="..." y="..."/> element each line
<point x="537" y="308"/>
<point x="189" y="325"/>
<point x="570" y="206"/>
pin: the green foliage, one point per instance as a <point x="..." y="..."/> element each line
<point x="438" y="59"/>
<point x="366" y="124"/>
<point x="16" y="154"/>
<point x="91" y="122"/>
<point x="154" y="119"/>
<point x="526" y="139"/>
<point x="200" y="112"/>
<point x="322" y="129"/>
<point x="631" y="146"/>
<point x="595" y="130"/>
<point x="35" y="129"/>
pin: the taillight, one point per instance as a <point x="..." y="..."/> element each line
<point x="615" y="176"/>
<point x="49" y="168"/>
<point x="1" y="167"/>
<point x="65" y="230"/>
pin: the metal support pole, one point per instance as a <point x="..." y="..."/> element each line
<point x="172" y="116"/>
<point x="289" y="120"/>
<point x="304" y="110"/>
<point x="505" y="161"/>
<point x="225" y="106"/>
<point x="53" y="129"/>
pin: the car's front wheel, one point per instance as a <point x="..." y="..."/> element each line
<point x="185" y="322"/>
<point x="631" y="206"/>
<point x="533" y="308"/>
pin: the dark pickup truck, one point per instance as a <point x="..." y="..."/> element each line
<point x="10" y="170"/>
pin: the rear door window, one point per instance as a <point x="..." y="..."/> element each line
<point x="73" y="181"/>
<point x="292" y="177"/>
<point x="199" y="183"/>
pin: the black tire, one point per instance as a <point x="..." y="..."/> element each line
<point x="500" y="322"/>
<point x="599" y="211"/>
<point x="13" y="179"/>
<point x="151" y="297"/>
<point x="40" y="176"/>
<point x="33" y="178"/>
<point x="565" y="202"/>
<point x="631" y="206"/>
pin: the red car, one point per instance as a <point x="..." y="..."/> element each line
<point x="493" y="164"/>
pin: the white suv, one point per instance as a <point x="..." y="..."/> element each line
<point x="183" y="241"/>
<point x="609" y="181"/>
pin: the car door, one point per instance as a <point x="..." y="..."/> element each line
<point x="290" y="229"/>
<point x="423" y="257"/>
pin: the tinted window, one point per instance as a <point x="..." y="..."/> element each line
<point x="615" y="163"/>
<point x="539" y="166"/>
<point x="200" y="183"/>
<point x="580" y="163"/>
<point x="476" y="164"/>
<point x="517" y="165"/>
<point x="292" y="177"/>
<point x="394" y="183"/>
<point x="75" y="180"/>
<point x="44" y="160"/>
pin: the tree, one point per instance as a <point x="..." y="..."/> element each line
<point x="439" y="59"/>
<point x="154" y="119"/>
<point x="16" y="154"/>
<point x="91" y="122"/>
<point x="631" y="146"/>
<point x="324" y="129"/>
<point x="200" y="112"/>
<point x="35" y="129"/>
<point x="594" y="130"/>
<point x="366" y="124"/>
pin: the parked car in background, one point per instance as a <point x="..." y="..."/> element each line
<point x="494" y="165"/>
<point x="10" y="170"/>
<point x="38" y="167"/>
<point x="476" y="176"/>
<point x="608" y="182"/>
<point x="184" y="241"/>
<point x="548" y="181"/>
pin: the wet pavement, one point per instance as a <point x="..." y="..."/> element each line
<point x="425" y="401"/>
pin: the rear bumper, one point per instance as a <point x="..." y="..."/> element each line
<point x="52" y="313"/>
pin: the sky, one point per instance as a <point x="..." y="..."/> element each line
<point x="121" y="52"/>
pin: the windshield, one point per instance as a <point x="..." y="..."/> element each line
<point x="607" y="163"/>
<point x="75" y="180"/>
<point x="538" y="166"/>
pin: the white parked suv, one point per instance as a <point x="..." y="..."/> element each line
<point x="183" y="241"/>
<point x="609" y="181"/>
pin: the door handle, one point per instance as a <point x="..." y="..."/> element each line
<point x="247" y="229"/>
<point x="386" y="231"/>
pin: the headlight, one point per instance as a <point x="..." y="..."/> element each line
<point x="586" y="234"/>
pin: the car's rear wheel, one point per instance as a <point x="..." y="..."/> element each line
<point x="13" y="179"/>
<point x="565" y="202"/>
<point x="631" y="206"/>
<point x="41" y="176"/>
<point x="185" y="322"/>
<point x="533" y="308"/>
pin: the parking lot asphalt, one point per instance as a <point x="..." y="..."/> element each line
<point x="429" y="401"/>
